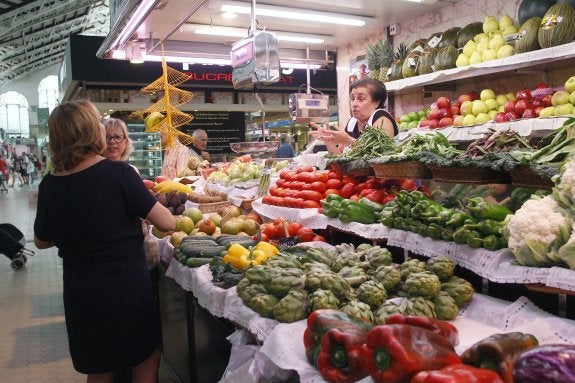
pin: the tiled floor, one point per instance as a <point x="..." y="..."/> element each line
<point x="34" y="346"/>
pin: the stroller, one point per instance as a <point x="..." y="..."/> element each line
<point x="12" y="245"/>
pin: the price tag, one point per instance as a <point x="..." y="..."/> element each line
<point x="434" y="41"/>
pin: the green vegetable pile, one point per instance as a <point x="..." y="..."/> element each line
<point x="358" y="281"/>
<point x="412" y="148"/>
<point x="372" y="143"/>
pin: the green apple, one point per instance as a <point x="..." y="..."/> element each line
<point x="547" y="112"/>
<point x="506" y="21"/>
<point x="479" y="106"/>
<point x="505" y="51"/>
<point x="461" y="61"/>
<point x="482" y="118"/>
<point x="572" y="98"/>
<point x="458" y="120"/>
<point x="403" y="125"/>
<point x="570" y="84"/>
<point x="487" y="94"/>
<point x="501" y="99"/>
<point x="468" y="120"/>
<point x="496" y="42"/>
<point x="490" y="24"/>
<point x="413" y="116"/>
<point x="492" y="104"/>
<point x="466" y="108"/>
<point x="475" y="58"/>
<point x="405" y="118"/>
<point x="492" y="113"/>
<point x="488" y="55"/>
<point x="510" y="96"/>
<point x="482" y="46"/>
<point x="501" y="108"/>
<point x="469" y="48"/>
<point x="560" y="97"/>
<point x="564" y="109"/>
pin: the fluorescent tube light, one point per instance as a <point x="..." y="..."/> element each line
<point x="142" y="10"/>
<point x="294" y="14"/>
<point x="241" y="33"/>
<point x="221" y="61"/>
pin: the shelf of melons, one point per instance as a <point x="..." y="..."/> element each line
<point x="530" y="127"/>
<point x="542" y="59"/>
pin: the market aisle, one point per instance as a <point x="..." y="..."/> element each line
<point x="34" y="341"/>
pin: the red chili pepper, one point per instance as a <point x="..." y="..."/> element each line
<point x="457" y="373"/>
<point x="321" y="321"/>
<point x="339" y="359"/>
<point x="437" y="326"/>
<point x="395" y="353"/>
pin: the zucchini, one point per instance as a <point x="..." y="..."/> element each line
<point x="197" y="262"/>
<point x="204" y="238"/>
<point x="203" y="251"/>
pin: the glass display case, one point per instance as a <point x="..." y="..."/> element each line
<point x="147" y="153"/>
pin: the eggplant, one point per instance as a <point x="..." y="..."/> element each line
<point x="551" y="363"/>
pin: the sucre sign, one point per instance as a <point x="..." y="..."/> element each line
<point x="227" y="77"/>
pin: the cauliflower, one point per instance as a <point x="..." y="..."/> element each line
<point x="564" y="192"/>
<point x="536" y="232"/>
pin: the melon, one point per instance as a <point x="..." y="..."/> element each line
<point x="395" y="70"/>
<point x="418" y="45"/>
<point x="557" y="26"/>
<point x="409" y="67"/>
<point x="527" y="36"/>
<point x="468" y="32"/>
<point x="449" y="37"/>
<point x="533" y="8"/>
<point x="446" y="58"/>
<point x="427" y="61"/>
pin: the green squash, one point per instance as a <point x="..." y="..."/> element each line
<point x="527" y="36"/>
<point x="449" y="37"/>
<point x="557" y="26"/>
<point x="446" y="58"/>
<point x="410" y="64"/>
<point x="468" y="32"/>
<point x="427" y="61"/>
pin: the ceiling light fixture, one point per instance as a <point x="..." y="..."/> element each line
<point x="241" y="33"/>
<point x="136" y="56"/>
<point x="142" y="10"/>
<point x="294" y="14"/>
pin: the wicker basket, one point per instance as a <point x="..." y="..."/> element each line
<point x="354" y="168"/>
<point x="213" y="207"/>
<point x="468" y="175"/>
<point x="405" y="169"/>
<point x="524" y="176"/>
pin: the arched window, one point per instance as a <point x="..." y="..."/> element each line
<point x="48" y="93"/>
<point x="14" y="117"/>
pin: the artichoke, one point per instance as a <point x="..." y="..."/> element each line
<point x="344" y="260"/>
<point x="260" y="274"/>
<point x="354" y="275"/>
<point x="264" y="304"/>
<point x="323" y="299"/>
<point x="419" y="306"/>
<point x="284" y="261"/>
<point x="388" y="276"/>
<point x="412" y="266"/>
<point x="293" y="307"/>
<point x="337" y="284"/>
<point x="459" y="289"/>
<point x="384" y="311"/>
<point x="372" y="292"/>
<point x="445" y="306"/>
<point x="250" y="291"/>
<point x="285" y="280"/>
<point x="378" y="256"/>
<point x="319" y="255"/>
<point x="315" y="266"/>
<point x="425" y="284"/>
<point x="443" y="267"/>
<point x="357" y="309"/>
<point x="363" y="247"/>
<point x="313" y="280"/>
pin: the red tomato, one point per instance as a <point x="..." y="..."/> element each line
<point x="306" y="186"/>
<point x="334" y="175"/>
<point x="283" y="174"/>
<point x="311" y="195"/>
<point x="365" y="192"/>
<point x="333" y="183"/>
<point x="330" y="191"/>
<point x="293" y="228"/>
<point x="319" y="187"/>
<point x="354" y="198"/>
<point x="322" y="176"/>
<point x="311" y="204"/>
<point x="350" y="180"/>
<point x="308" y="168"/>
<point x="267" y="199"/>
<point x="297" y="185"/>
<point x="279" y="220"/>
<point x="280" y="182"/>
<point x="291" y="176"/>
<point x="273" y="190"/>
<point x="347" y="190"/>
<point x="265" y="238"/>
<point x="408" y="185"/>
<point x="305" y="234"/>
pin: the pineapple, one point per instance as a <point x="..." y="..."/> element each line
<point x="396" y="67"/>
<point x="379" y="58"/>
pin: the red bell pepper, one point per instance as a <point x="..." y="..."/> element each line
<point x="395" y="353"/>
<point x="376" y="196"/>
<point x="499" y="352"/>
<point x="347" y="190"/>
<point x="437" y="326"/>
<point x="321" y="321"/>
<point x="457" y="373"/>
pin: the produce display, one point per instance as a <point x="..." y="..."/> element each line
<point x="280" y="228"/>
<point x="239" y="171"/>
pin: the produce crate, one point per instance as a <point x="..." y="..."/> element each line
<point x="468" y="175"/>
<point x="212" y="207"/>
<point x="524" y="176"/>
<point x="354" y="168"/>
<point x="405" y="169"/>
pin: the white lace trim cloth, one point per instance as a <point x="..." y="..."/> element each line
<point x="373" y="231"/>
<point x="306" y="217"/>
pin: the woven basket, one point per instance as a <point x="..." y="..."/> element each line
<point x="524" y="176"/>
<point x="405" y="169"/>
<point x="213" y="207"/>
<point x="354" y="168"/>
<point x="467" y="175"/>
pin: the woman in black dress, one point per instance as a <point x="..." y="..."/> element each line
<point x="90" y="208"/>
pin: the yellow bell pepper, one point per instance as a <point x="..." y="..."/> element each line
<point x="244" y="261"/>
<point x="259" y="256"/>
<point x="236" y="250"/>
<point x="268" y="248"/>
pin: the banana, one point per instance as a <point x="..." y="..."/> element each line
<point x="153" y="119"/>
<point x="170" y="185"/>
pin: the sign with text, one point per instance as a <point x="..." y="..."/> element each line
<point x="222" y="129"/>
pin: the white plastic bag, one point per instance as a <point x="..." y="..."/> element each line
<point x="151" y="247"/>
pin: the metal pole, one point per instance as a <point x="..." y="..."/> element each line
<point x="253" y="21"/>
<point x="307" y="72"/>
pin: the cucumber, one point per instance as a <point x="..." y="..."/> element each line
<point x="197" y="262"/>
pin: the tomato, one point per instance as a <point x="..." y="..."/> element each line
<point x="330" y="191"/>
<point x="311" y="195"/>
<point x="365" y="192"/>
<point x="273" y="190"/>
<point x="306" y="168"/>
<point x="322" y="176"/>
<point x="269" y="231"/>
<point x="265" y="238"/>
<point x="291" y="176"/>
<point x="354" y="198"/>
<point x="306" y="186"/>
<point x="334" y="175"/>
<point x="347" y="190"/>
<point x="293" y="228"/>
<point x="360" y="186"/>
<point x="311" y="204"/>
<point x="280" y="182"/>
<point x="288" y="184"/>
<point x="278" y="220"/>
<point x="283" y="174"/>
<point x="267" y="199"/>
<point x="333" y="183"/>
<point x="319" y="187"/>
<point x="350" y="180"/>
<point x="305" y="234"/>
<point x="289" y="201"/>
<point x="296" y="185"/>
<point x="408" y="184"/>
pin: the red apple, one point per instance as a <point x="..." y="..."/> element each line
<point x="521" y="106"/>
<point x="433" y="124"/>
<point x="462" y="98"/>
<point x="444" y="112"/>
<point x="538" y="110"/>
<point x="423" y="123"/>
<point x="523" y="94"/>
<point x="474" y="96"/>
<point x="529" y="113"/>
<point x="445" y="121"/>
<point x="433" y="114"/>
<point x="443" y="102"/>
<point x="509" y="106"/>
<point x="159" y="179"/>
<point x="541" y="85"/>
<point x="500" y="117"/>
<point x="547" y="100"/>
<point x="454" y="108"/>
<point x="536" y="102"/>
<point x="511" y="116"/>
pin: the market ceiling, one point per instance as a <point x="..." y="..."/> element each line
<point x="34" y="33"/>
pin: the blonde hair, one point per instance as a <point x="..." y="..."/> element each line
<point x="117" y="123"/>
<point x="75" y="131"/>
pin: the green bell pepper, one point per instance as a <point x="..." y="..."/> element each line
<point x="357" y="213"/>
<point x="442" y="217"/>
<point x="483" y="210"/>
<point x="460" y="235"/>
<point x="493" y="242"/>
<point x="474" y="239"/>
<point x="434" y="231"/>
<point x="373" y="206"/>
<point x="487" y="227"/>
<point x="457" y="220"/>
<point x="447" y="234"/>
<point x="334" y="198"/>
